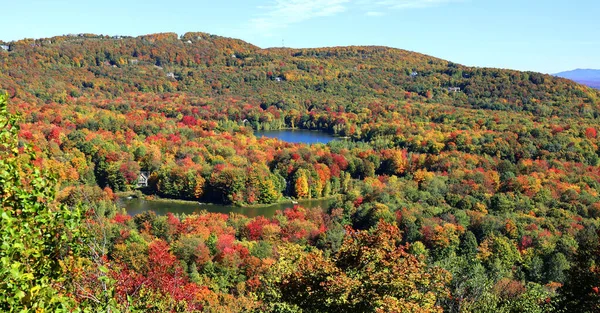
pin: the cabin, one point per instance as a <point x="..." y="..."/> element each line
<point x="142" y="179"/>
<point x="4" y="47"/>
<point x="278" y="79"/>
<point x="453" y="89"/>
<point x="171" y="75"/>
<point x="134" y="61"/>
<point x="414" y="74"/>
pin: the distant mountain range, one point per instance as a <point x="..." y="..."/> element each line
<point x="587" y="77"/>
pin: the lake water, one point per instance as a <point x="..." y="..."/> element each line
<point x="136" y="206"/>
<point x="297" y="135"/>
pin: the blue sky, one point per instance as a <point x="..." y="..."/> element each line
<point x="547" y="36"/>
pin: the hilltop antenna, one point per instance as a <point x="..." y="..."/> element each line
<point x="283" y="43"/>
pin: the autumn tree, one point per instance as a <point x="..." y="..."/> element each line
<point x="371" y="272"/>
<point x="37" y="234"/>
<point x="301" y="187"/>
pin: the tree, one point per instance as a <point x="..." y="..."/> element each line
<point x="469" y="284"/>
<point x="371" y="272"/>
<point x="499" y="254"/>
<point x="591" y="133"/>
<point x="37" y="234"/>
<point x="268" y="191"/>
<point x="301" y="185"/>
<point x="468" y="245"/>
<point x="581" y="293"/>
<point x="199" y="187"/>
<point x="557" y="266"/>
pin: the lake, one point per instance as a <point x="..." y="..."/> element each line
<point x="297" y="135"/>
<point x="161" y="207"/>
<point x="136" y="206"/>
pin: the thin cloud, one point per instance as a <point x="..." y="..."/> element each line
<point x="282" y="13"/>
<point x="409" y="4"/>
<point x="376" y="8"/>
<point x="374" y="13"/>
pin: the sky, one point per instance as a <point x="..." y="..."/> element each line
<point x="547" y="36"/>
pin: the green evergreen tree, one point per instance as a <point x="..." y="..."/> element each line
<point x="468" y="245"/>
<point x="580" y="291"/>
<point x="557" y="267"/>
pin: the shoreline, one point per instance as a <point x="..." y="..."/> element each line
<point x="254" y="131"/>
<point x="289" y="201"/>
<point x="123" y="196"/>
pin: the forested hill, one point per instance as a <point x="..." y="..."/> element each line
<point x="458" y="189"/>
<point x="61" y="68"/>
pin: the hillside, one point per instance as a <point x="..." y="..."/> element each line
<point x="459" y="189"/>
<point x="586" y="77"/>
<point x="203" y="64"/>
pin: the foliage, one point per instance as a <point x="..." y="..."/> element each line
<point x="497" y="184"/>
<point x="369" y="273"/>
<point x="38" y="236"/>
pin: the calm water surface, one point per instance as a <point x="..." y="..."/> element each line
<point x="297" y="135"/>
<point x="137" y="206"/>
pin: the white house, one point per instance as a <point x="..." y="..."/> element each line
<point x="143" y="179"/>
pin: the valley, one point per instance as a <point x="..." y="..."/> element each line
<point x="341" y="179"/>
